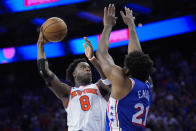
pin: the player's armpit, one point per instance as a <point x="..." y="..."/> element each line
<point x="105" y="90"/>
<point x="114" y="73"/>
<point x="121" y="84"/>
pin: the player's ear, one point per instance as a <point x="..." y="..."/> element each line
<point x="126" y="70"/>
<point x="74" y="74"/>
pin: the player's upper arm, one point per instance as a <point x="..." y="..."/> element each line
<point x="116" y="75"/>
<point x="113" y="72"/>
<point x="60" y="89"/>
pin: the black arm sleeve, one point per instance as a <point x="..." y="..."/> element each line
<point x="42" y="70"/>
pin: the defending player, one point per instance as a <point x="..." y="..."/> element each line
<point x="131" y="92"/>
<point x="84" y="104"/>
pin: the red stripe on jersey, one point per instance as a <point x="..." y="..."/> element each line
<point x="108" y="106"/>
<point x="138" y="124"/>
<point x="110" y="126"/>
<point x="116" y="114"/>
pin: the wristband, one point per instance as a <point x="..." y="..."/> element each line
<point x="106" y="82"/>
<point x="92" y="59"/>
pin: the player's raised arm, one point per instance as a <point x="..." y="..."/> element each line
<point x="104" y="82"/>
<point x="134" y="44"/>
<point x="109" y="21"/>
<point x="61" y="90"/>
<point x="113" y="72"/>
<point x="89" y="54"/>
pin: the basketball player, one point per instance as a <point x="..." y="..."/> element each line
<point x="130" y="98"/>
<point x="84" y="103"/>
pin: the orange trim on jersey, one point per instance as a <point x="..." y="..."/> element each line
<point x="68" y="98"/>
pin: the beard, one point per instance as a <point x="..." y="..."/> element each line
<point x="84" y="78"/>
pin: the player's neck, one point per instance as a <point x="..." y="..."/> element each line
<point x="78" y="83"/>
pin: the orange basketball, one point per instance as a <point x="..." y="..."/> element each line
<point x="54" y="29"/>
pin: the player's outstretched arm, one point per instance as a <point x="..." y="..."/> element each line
<point x="109" y="21"/>
<point x="104" y="82"/>
<point x="89" y="54"/>
<point x="113" y="72"/>
<point x="134" y="44"/>
<point x="61" y="90"/>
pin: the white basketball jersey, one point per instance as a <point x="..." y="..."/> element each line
<point x="86" y="109"/>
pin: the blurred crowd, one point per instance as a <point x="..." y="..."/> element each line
<point x="174" y="94"/>
<point x="173" y="101"/>
<point x="31" y="110"/>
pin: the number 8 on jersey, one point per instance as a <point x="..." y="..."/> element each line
<point x="84" y="102"/>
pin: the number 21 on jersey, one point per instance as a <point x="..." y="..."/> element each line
<point x="84" y="102"/>
<point x="137" y="117"/>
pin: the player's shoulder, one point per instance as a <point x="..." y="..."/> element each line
<point x="138" y="83"/>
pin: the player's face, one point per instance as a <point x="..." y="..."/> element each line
<point x="83" y="72"/>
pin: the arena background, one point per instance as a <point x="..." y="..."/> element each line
<point x="26" y="104"/>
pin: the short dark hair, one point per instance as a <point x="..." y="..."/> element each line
<point x="71" y="68"/>
<point x="139" y="64"/>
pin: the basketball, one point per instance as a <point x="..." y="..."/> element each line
<point x="54" y="29"/>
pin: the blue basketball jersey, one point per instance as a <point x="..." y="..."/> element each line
<point x="129" y="113"/>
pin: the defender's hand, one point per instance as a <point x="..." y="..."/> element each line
<point x="109" y="15"/>
<point x="41" y="40"/>
<point x="88" y="50"/>
<point x="128" y="18"/>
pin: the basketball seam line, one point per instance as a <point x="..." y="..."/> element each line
<point x="48" y="26"/>
<point x="57" y="31"/>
